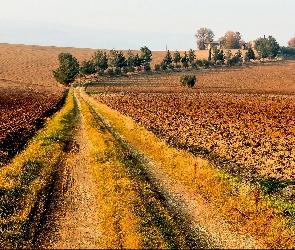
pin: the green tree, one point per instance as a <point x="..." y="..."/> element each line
<point x="218" y="55"/>
<point x="191" y="56"/>
<point x="163" y="66"/>
<point x="250" y="55"/>
<point x="146" y="55"/>
<point x="122" y="62"/>
<point x="130" y="61"/>
<point x="204" y="35"/>
<point x="176" y="57"/>
<point x="113" y="58"/>
<point x="168" y="58"/>
<point x="185" y="60"/>
<point x="210" y="55"/>
<point x="100" y="61"/>
<point x="267" y="47"/>
<point x="137" y="62"/>
<point x="87" y="67"/>
<point x="68" y="69"/>
<point x="236" y="59"/>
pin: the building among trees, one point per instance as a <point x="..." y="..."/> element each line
<point x="212" y="45"/>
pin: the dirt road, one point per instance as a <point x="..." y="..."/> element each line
<point x="72" y="220"/>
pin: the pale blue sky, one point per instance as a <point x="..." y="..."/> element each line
<point x="252" y="18"/>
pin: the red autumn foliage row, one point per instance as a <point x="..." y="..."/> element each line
<point x="257" y="132"/>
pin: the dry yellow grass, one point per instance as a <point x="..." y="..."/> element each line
<point x="234" y="200"/>
<point x="125" y="199"/>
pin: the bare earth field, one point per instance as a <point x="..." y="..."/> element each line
<point x="34" y="64"/>
<point x="23" y="109"/>
<point x="29" y="91"/>
<point x="241" y="119"/>
<point x="244" y="116"/>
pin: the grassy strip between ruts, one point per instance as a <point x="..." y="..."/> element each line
<point x="131" y="215"/>
<point x="26" y="182"/>
<point x="268" y="218"/>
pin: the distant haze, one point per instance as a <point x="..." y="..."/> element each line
<point x="41" y="33"/>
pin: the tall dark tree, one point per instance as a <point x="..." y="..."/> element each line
<point x="68" y="69"/>
<point x="168" y="58"/>
<point x="210" y="55"/>
<point x="87" y="67"/>
<point x="185" y="60"/>
<point x="137" y="61"/>
<point x="122" y="62"/>
<point x="176" y="57"/>
<point x="100" y="60"/>
<point x="218" y="55"/>
<point x="145" y="55"/>
<point x="204" y="35"/>
<point x="267" y="47"/>
<point x="113" y="58"/>
<point x="191" y="56"/>
<point x="250" y="55"/>
<point x="130" y="58"/>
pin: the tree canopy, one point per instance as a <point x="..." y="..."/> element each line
<point x="267" y="47"/>
<point x="204" y="35"/>
<point x="145" y="55"/>
<point x="168" y="58"/>
<point x="68" y="69"/>
<point x="291" y="43"/>
<point x="100" y="60"/>
<point x="231" y="40"/>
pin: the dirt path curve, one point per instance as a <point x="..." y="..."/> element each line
<point x="72" y="220"/>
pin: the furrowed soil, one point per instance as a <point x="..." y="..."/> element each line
<point x="72" y="220"/>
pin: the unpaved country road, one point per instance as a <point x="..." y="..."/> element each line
<point x="72" y="221"/>
<point x="187" y="208"/>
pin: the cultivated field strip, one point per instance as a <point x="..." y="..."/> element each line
<point x="130" y="212"/>
<point x="189" y="212"/>
<point x="23" y="110"/>
<point x="27" y="182"/>
<point x="254" y="131"/>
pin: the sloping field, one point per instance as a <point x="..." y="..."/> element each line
<point x="244" y="116"/>
<point x="23" y="110"/>
<point x="34" y="64"/>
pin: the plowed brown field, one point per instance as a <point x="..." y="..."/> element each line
<point x="22" y="111"/>
<point x="244" y="116"/>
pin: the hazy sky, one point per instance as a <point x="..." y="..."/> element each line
<point x="252" y="18"/>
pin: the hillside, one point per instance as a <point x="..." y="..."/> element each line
<point x="34" y="64"/>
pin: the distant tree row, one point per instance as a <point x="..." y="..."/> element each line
<point x="115" y="62"/>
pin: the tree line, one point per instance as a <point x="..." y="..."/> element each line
<point x="116" y="63"/>
<point x="266" y="47"/>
